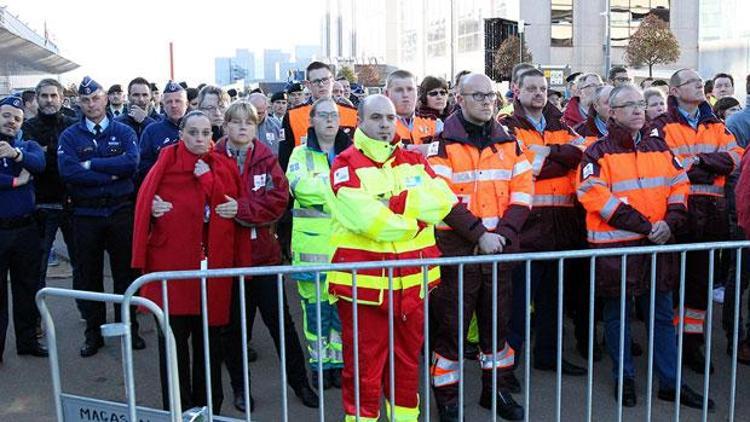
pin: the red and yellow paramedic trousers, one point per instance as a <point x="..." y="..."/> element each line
<point x="374" y="381"/>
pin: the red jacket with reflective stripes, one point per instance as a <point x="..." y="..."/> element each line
<point x="554" y="154"/>
<point x="625" y="187"/>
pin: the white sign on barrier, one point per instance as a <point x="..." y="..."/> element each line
<point x="86" y="409"/>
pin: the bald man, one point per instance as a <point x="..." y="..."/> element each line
<point x="270" y="131"/>
<point x="386" y="201"/>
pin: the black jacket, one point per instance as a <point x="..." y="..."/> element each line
<point x="45" y="130"/>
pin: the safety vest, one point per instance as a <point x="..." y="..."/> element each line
<point x="385" y="211"/>
<point x="556" y="191"/>
<point x="422" y="127"/>
<point x="711" y="141"/>
<point x="309" y="183"/>
<point x="488" y="180"/>
<point x="615" y="173"/>
<point x="299" y="121"/>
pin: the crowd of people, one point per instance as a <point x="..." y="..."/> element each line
<point x="186" y="178"/>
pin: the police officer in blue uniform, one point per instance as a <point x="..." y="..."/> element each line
<point x="97" y="159"/>
<point x="164" y="132"/>
<point x="19" y="234"/>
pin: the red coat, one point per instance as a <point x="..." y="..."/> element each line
<point x="742" y="196"/>
<point x="174" y="241"/>
<point x="572" y="114"/>
<point x="264" y="198"/>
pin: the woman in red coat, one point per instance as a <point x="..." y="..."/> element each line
<point x="185" y="219"/>
<point x="265" y="194"/>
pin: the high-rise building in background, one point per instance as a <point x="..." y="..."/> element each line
<point x="273" y="64"/>
<point x="725" y="40"/>
<point x="229" y="70"/>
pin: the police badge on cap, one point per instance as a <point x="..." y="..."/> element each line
<point x="88" y="86"/>
<point x="12" y="101"/>
<point x="172" y="86"/>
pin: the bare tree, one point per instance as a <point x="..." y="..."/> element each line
<point x="369" y="75"/>
<point x="509" y="55"/>
<point x="653" y="43"/>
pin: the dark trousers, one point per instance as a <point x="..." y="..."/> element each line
<point x="19" y="258"/>
<point x="262" y="293"/>
<point x="93" y="236"/>
<point x="477" y="297"/>
<point x="544" y="292"/>
<point x="188" y="335"/>
<point x="49" y="220"/>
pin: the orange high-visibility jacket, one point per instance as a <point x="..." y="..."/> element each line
<point x="554" y="154"/>
<point x="625" y="187"/>
<point x="488" y="172"/>
<point x="421" y="128"/>
<point x="588" y="129"/>
<point x="708" y="153"/>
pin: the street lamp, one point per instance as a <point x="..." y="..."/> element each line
<point x="608" y="41"/>
<point x="521" y="25"/>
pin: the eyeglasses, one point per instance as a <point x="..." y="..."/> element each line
<point x="321" y="81"/>
<point x="694" y="81"/>
<point x="325" y="115"/>
<point x="437" y="92"/>
<point x="481" y="96"/>
<point x="632" y="105"/>
<point x="213" y="109"/>
<point x="595" y="85"/>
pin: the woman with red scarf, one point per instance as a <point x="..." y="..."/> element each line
<point x="184" y="219"/>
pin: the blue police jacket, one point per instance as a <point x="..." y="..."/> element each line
<point x="19" y="201"/>
<point x="155" y="137"/>
<point x="138" y="128"/>
<point x="109" y="179"/>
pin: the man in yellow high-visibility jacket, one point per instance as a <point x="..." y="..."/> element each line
<point x="386" y="203"/>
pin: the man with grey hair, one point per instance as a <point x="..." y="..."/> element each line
<point x="595" y="125"/>
<point x="270" y="131"/>
<point x="623" y="211"/>
<point x="709" y="153"/>
<point x="577" y="109"/>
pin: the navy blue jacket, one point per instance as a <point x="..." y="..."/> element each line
<point x="155" y="137"/>
<point x="114" y="160"/>
<point x="138" y="128"/>
<point x="19" y="202"/>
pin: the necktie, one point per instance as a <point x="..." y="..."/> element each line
<point x="117" y="113"/>
<point x="97" y="130"/>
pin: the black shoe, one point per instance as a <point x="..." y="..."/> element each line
<point x="138" y="342"/>
<point x="252" y="355"/>
<point x="448" y="413"/>
<point x="334" y="375"/>
<point x="511" y="382"/>
<point x="567" y="368"/>
<point x="628" y="393"/>
<point x="688" y="397"/>
<point x="636" y="349"/>
<point x="694" y="359"/>
<point x="306" y="395"/>
<point x="326" y="380"/>
<point x="239" y="402"/>
<point x="583" y="351"/>
<point x="507" y="408"/>
<point x="35" y="349"/>
<point x="91" y="346"/>
<point x="471" y="351"/>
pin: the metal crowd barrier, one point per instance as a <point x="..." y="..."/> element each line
<point x="240" y="274"/>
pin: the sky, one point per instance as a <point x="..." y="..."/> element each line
<point x="114" y="41"/>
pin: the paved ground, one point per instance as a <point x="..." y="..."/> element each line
<point x="26" y="392"/>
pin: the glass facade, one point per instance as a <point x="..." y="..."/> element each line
<point x="561" y="22"/>
<point x="626" y="17"/>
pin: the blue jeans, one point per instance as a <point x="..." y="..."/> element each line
<point x="665" y="343"/>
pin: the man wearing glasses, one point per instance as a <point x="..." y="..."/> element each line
<point x="635" y="193"/>
<point x="490" y="175"/>
<point x="401" y="88"/>
<point x="297" y="120"/>
<point x="709" y="153"/>
<point x="618" y="76"/>
<point x="577" y="109"/>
